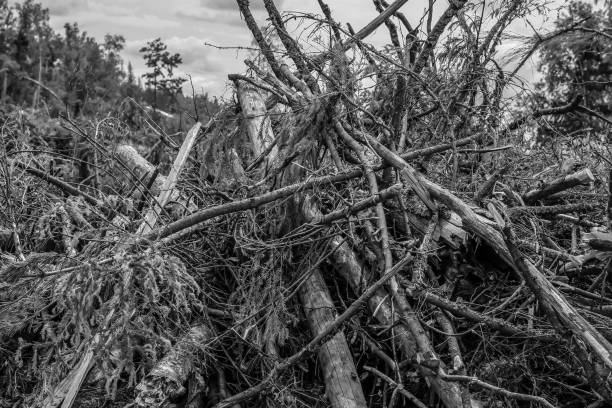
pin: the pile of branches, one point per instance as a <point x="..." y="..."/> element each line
<point x="360" y="227"/>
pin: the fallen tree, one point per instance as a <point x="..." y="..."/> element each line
<point x="321" y="241"/>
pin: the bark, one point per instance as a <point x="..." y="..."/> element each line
<point x="341" y="380"/>
<point x="563" y="183"/>
<point x="168" y="188"/>
<point x="257" y="121"/>
<point x="167" y="379"/>
<point x="139" y="171"/>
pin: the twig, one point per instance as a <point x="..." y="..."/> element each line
<point x="397" y="386"/>
<point x="478" y="382"/>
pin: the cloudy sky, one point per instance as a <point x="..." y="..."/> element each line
<point x="186" y="25"/>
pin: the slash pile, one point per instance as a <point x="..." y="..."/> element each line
<point x="360" y="227"/>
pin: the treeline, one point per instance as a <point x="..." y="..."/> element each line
<point x="71" y="73"/>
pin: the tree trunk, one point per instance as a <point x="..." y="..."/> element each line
<point x="166" y="380"/>
<point x="341" y="379"/>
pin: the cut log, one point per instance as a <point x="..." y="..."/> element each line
<point x="168" y="378"/>
<point x="341" y="380"/>
<point x="563" y="183"/>
<point x="139" y="170"/>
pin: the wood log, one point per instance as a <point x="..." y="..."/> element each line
<point x="256" y="118"/>
<point x="342" y="386"/>
<point x="138" y="172"/>
<point x="168" y="188"/>
<point x="563" y="183"/>
<point x="341" y="380"/>
<point x="448" y="230"/>
<point x="139" y="168"/>
<point x="167" y="379"/>
<point x="348" y="266"/>
<point x="592" y="349"/>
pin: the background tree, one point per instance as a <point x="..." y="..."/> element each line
<point x="578" y="64"/>
<point x="162" y="64"/>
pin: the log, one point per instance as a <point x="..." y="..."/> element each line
<point x="346" y="263"/>
<point x="355" y="308"/>
<point x="168" y="188"/>
<point x="341" y="380"/>
<point x="563" y="183"/>
<point x="342" y="386"/>
<point x="471" y="221"/>
<point x="256" y="118"/>
<point x="592" y="349"/>
<point x="167" y="379"/>
<point x="448" y="230"/>
<point x="140" y="170"/>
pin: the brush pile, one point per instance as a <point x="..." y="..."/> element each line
<point x="360" y="227"/>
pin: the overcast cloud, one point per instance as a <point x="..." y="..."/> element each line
<point x="186" y="25"/>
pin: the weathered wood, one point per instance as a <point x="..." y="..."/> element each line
<point x="139" y="170"/>
<point x="593" y="350"/>
<point x="168" y="187"/>
<point x="448" y="230"/>
<point x="167" y="379"/>
<point x="341" y="380"/>
<point x="563" y="183"/>
<point x="257" y="122"/>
